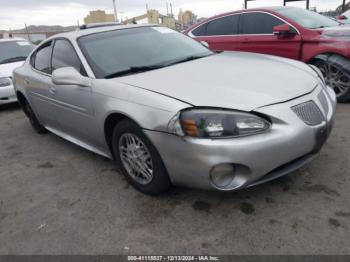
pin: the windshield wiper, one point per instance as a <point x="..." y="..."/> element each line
<point x="187" y="59"/>
<point x="134" y="69"/>
<point x="13" y="59"/>
<point x="140" y="69"/>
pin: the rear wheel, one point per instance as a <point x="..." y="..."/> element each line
<point x="139" y="160"/>
<point x="336" y="75"/>
<point x="40" y="129"/>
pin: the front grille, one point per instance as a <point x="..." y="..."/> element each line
<point x="309" y="113"/>
<point x="323" y="100"/>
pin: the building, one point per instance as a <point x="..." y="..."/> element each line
<point x="99" y="16"/>
<point x="154" y="17"/>
<point x="4" y="34"/>
<point x="36" y="34"/>
<point x="187" y="18"/>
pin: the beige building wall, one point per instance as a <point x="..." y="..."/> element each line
<point x="186" y="18"/>
<point x="153" y="16"/>
<point x="98" y="16"/>
<point x="169" y="22"/>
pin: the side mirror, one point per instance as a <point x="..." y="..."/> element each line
<point x="69" y="76"/>
<point x="282" y="30"/>
<point x="205" y="44"/>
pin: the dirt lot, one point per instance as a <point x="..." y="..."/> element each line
<point x="56" y="198"/>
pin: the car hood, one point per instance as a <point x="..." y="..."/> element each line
<point x="236" y="80"/>
<point x="337" y="31"/>
<point x="7" y="69"/>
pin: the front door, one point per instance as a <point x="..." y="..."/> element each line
<point x="72" y="104"/>
<point x="257" y="36"/>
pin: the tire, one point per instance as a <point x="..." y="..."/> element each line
<point x="139" y="160"/>
<point x="336" y="70"/>
<point x="40" y="129"/>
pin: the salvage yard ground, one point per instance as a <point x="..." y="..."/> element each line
<point x="56" y="198"/>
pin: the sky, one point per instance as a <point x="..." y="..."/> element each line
<point x="15" y="13"/>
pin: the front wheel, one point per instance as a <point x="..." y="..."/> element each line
<point x="139" y="160"/>
<point x="336" y="75"/>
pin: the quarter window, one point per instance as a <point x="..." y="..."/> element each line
<point x="41" y="60"/>
<point x="200" y="31"/>
<point x="64" y="55"/>
<point x="223" y="26"/>
<point x="259" y="23"/>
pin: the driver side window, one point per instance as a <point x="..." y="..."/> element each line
<point x="64" y="55"/>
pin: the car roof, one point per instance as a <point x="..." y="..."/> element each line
<point x="261" y="9"/>
<point x="79" y="33"/>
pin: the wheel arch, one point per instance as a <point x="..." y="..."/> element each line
<point x="325" y="56"/>
<point x="22" y="100"/>
<point x="109" y="124"/>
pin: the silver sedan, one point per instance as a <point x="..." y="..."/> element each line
<point x="172" y="112"/>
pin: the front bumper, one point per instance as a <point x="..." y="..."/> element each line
<point x="7" y="95"/>
<point x="288" y="145"/>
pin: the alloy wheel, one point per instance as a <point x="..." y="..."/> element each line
<point x="336" y="78"/>
<point x="136" y="158"/>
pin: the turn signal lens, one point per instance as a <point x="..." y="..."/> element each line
<point x="190" y="127"/>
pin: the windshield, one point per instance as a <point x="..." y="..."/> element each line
<point x="306" y="18"/>
<point x="109" y="53"/>
<point x="14" y="51"/>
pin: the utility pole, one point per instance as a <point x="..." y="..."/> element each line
<point x="27" y="31"/>
<point x="115" y="11"/>
<point x="343" y="6"/>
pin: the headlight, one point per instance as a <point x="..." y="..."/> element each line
<point x="216" y="123"/>
<point x="5" y="81"/>
<point x="319" y="73"/>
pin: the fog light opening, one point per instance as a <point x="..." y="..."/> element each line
<point x="222" y="175"/>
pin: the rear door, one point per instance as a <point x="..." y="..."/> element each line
<point x="256" y="29"/>
<point x="220" y="33"/>
<point x="39" y="83"/>
<point x="72" y="104"/>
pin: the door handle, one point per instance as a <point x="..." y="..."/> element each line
<point x="52" y="90"/>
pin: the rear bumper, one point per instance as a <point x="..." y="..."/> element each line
<point x="7" y="95"/>
<point x="287" y="146"/>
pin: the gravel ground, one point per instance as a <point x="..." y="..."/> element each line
<point x="56" y="198"/>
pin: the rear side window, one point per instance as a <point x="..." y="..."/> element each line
<point x="64" y="55"/>
<point x="223" y="26"/>
<point x="41" y="60"/>
<point x="200" y="31"/>
<point x="259" y="23"/>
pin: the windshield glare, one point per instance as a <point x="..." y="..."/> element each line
<point x="14" y="49"/>
<point x="306" y="18"/>
<point x="115" y="51"/>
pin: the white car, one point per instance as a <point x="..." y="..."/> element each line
<point x="13" y="52"/>
<point x="344" y="18"/>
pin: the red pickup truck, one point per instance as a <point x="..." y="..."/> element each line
<point x="284" y="31"/>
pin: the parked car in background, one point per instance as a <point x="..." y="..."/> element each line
<point x="345" y="17"/>
<point x="171" y="111"/>
<point x="12" y="54"/>
<point x="288" y="32"/>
